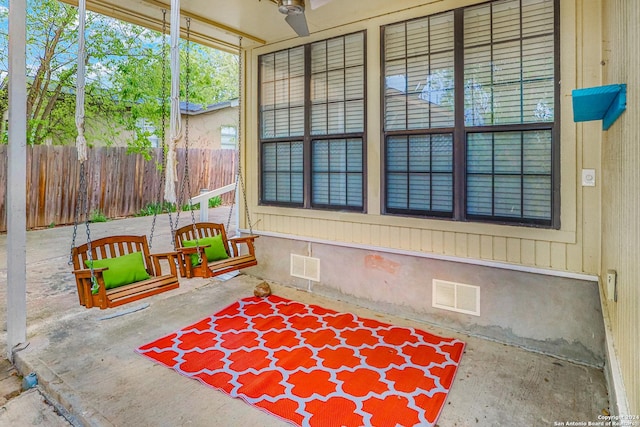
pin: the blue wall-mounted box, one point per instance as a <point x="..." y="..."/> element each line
<point x="604" y="103"/>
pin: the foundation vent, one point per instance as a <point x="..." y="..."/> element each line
<point x="456" y="297"/>
<point x="305" y="267"/>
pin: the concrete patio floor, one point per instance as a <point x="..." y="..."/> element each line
<point x="86" y="362"/>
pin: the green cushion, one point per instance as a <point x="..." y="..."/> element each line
<point x="214" y="252"/>
<point x="123" y="270"/>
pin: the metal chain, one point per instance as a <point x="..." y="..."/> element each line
<point x="163" y="106"/>
<point x="186" y="182"/>
<point x="83" y="200"/>
<point x="235" y="190"/>
<point x="186" y="178"/>
<point x="180" y="193"/>
<point x="185" y="175"/>
<point x="94" y="282"/>
<point x="85" y="185"/>
<point x="239" y="178"/>
<point x="77" y="213"/>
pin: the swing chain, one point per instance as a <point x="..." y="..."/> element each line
<point x="77" y="214"/>
<point x="239" y="177"/>
<point x="163" y="107"/>
<point x="83" y="199"/>
<point x="186" y="178"/>
<point x="186" y="182"/>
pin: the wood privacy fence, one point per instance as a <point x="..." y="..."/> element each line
<point x="119" y="184"/>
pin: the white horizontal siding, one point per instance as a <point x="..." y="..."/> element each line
<point x="513" y="250"/>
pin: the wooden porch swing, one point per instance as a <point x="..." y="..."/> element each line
<point x="204" y="247"/>
<point x="119" y="269"/>
<point x="116" y="270"/>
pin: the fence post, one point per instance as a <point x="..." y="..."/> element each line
<point x="204" y="207"/>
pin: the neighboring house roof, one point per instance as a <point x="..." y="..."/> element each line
<point x="196" y="109"/>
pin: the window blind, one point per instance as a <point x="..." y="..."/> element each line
<point x="502" y="55"/>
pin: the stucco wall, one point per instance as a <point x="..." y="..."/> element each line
<point x="553" y="315"/>
<point x="204" y="129"/>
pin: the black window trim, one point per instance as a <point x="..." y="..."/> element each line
<point x="460" y="133"/>
<point x="307" y="139"/>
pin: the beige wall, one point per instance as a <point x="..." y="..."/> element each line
<point x="204" y="129"/>
<point x="569" y="249"/>
<point x="600" y="229"/>
<point x="621" y="190"/>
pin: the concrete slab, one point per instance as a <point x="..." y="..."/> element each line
<point x="30" y="409"/>
<point x="10" y="381"/>
<point x="89" y="366"/>
<point x="86" y="362"/>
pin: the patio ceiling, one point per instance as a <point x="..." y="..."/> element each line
<point x="220" y="23"/>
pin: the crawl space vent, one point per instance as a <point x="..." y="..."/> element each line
<point x="305" y="267"/>
<point x="456" y="297"/>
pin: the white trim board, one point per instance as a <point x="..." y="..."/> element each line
<point x="613" y="371"/>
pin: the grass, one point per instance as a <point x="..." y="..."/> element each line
<point x="214" y="202"/>
<point x="164" y="207"/>
<point x="97" y="216"/>
<point x="156" y="208"/>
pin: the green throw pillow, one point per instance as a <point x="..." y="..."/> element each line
<point x="123" y="270"/>
<point x="214" y="252"/>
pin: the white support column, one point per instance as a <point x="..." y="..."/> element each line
<point x="17" y="179"/>
<point x="204" y="207"/>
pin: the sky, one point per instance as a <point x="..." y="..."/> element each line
<point x="34" y="52"/>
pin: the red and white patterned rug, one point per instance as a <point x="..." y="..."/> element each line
<point x="315" y="367"/>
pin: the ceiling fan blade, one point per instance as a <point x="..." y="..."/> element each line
<point x="299" y="24"/>
<point x="318" y="3"/>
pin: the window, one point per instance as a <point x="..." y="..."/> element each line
<point x="312" y="121"/>
<point x="228" y="137"/>
<point x="470" y="123"/>
<point x="146" y="129"/>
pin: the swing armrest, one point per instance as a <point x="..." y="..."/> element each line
<point x="171" y="257"/>
<point x="251" y="237"/>
<point x="85" y="273"/>
<point x="193" y="249"/>
<point x="83" y="279"/>
<point x="185" y="253"/>
<point x="248" y="240"/>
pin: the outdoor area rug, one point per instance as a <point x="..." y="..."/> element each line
<point x="315" y="367"/>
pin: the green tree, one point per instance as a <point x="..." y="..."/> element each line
<point x="213" y="77"/>
<point x="124" y="76"/>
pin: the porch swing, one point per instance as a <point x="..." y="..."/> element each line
<point x="205" y="249"/>
<point x="114" y="270"/>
